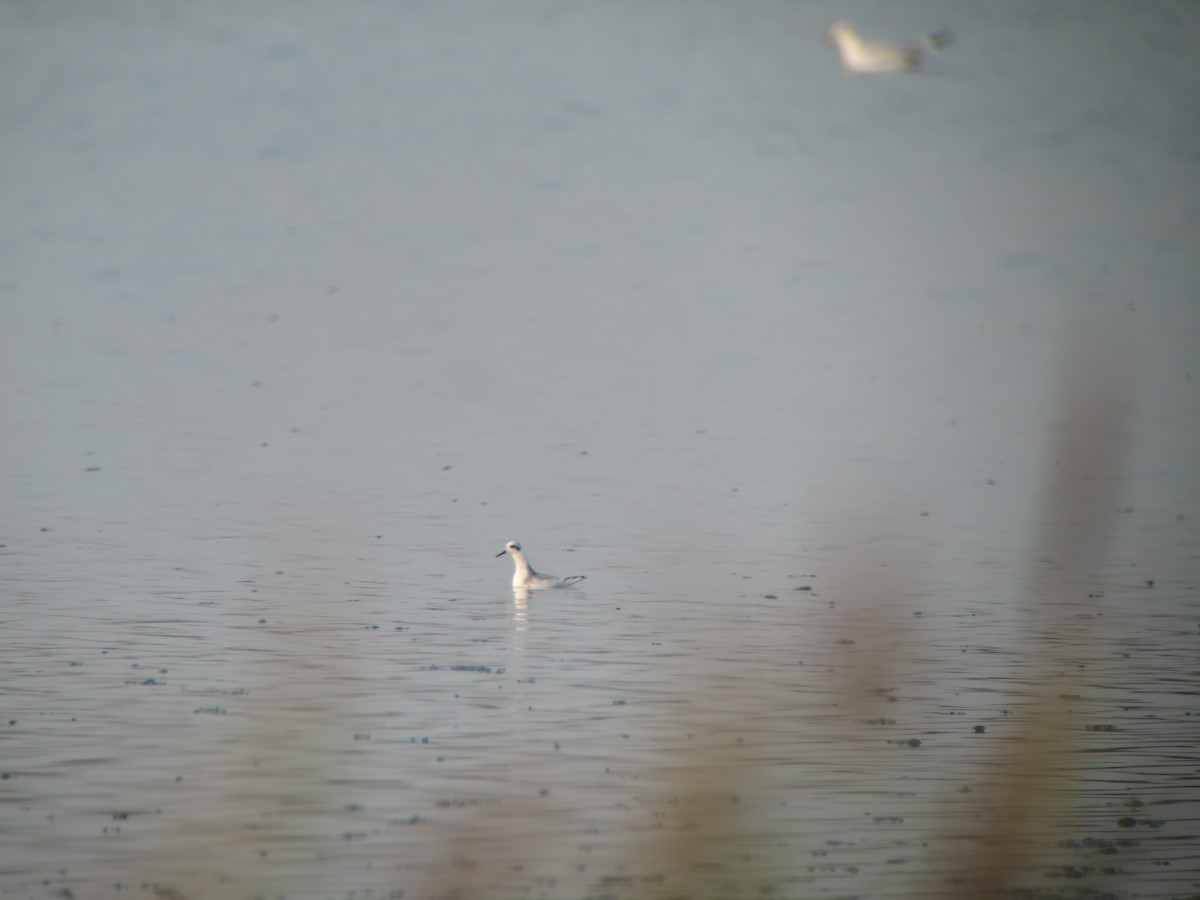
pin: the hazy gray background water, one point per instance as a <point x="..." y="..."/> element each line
<point x="305" y="309"/>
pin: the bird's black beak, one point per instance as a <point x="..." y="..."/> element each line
<point x="501" y="553"/>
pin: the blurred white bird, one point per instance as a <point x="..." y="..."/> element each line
<point x="526" y="579"/>
<point x="876" y="56"/>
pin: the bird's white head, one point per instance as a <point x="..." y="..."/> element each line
<point x="839" y="31"/>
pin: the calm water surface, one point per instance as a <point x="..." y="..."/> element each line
<point x="867" y="406"/>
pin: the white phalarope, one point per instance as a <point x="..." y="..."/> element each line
<point x="879" y="57"/>
<point x="526" y="579"/>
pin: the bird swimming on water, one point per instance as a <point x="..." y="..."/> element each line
<point x="859" y="55"/>
<point x="526" y="579"/>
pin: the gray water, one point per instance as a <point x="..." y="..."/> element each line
<point x="867" y="406"/>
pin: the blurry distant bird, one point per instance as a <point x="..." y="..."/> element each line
<point x="859" y="55"/>
<point x="526" y="579"/>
